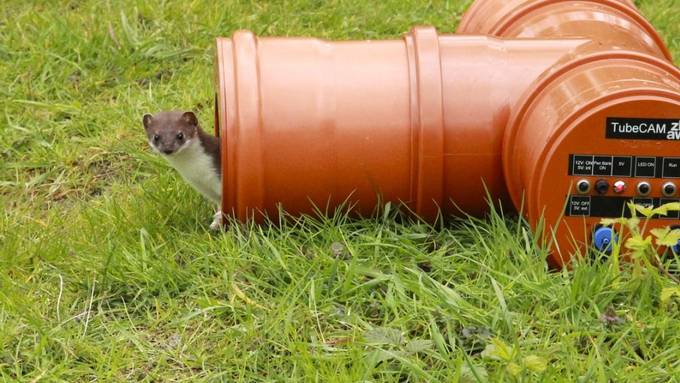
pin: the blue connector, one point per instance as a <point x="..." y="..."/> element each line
<point x="676" y="248"/>
<point x="603" y="239"/>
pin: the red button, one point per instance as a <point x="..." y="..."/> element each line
<point x="619" y="187"/>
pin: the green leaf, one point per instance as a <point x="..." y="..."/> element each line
<point x="490" y="352"/>
<point x="379" y="356"/>
<point x="473" y="374"/>
<point x="383" y="335"/>
<point x="418" y="345"/>
<point x="644" y="210"/>
<point x="639" y="243"/>
<point x="514" y="369"/>
<point x="613" y="221"/>
<point x="665" y="208"/>
<point x="498" y="350"/>
<point x="535" y="363"/>
<point x="660" y="232"/>
<point x="665" y="236"/>
<point x="667" y="293"/>
<point x="633" y="224"/>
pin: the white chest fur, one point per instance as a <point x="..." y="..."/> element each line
<point x="197" y="168"/>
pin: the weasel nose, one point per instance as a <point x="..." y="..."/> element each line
<point x="167" y="151"/>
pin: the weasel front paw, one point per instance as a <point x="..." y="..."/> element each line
<point x="217" y="223"/>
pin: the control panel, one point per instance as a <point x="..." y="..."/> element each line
<point x="624" y="166"/>
<point x="604" y="184"/>
<point x="606" y="145"/>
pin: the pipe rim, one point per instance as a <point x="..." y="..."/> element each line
<point x="221" y="123"/>
<point x="468" y="15"/>
<point x="509" y="19"/>
<point x="474" y="8"/>
<point x="422" y="45"/>
<point x="243" y="186"/>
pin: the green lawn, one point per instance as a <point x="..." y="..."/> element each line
<point x="108" y="271"/>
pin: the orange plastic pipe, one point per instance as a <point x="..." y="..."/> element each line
<point x="438" y="121"/>
<point x="613" y="76"/>
<point x="420" y="120"/>
<point x="609" y="23"/>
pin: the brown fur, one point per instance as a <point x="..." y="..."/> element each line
<point x="167" y="125"/>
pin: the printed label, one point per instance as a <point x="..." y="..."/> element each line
<point x="579" y="206"/>
<point x="583" y="165"/>
<point x="643" y="129"/>
<point x="645" y="167"/>
<point x="613" y="207"/>
<point x="622" y="166"/>
<point x="602" y="166"/>
<point x="671" y="168"/>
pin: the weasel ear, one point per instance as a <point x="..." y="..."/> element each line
<point x="146" y="120"/>
<point x="190" y="118"/>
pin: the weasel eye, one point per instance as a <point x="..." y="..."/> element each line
<point x="180" y="136"/>
<point x="156" y="137"/>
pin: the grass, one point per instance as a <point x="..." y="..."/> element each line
<point x="108" y="272"/>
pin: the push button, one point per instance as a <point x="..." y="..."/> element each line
<point x="669" y="189"/>
<point x="643" y="188"/>
<point x="619" y="187"/>
<point x="583" y="186"/>
<point x="602" y="186"/>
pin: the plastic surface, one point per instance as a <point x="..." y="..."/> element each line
<point x="441" y="122"/>
<point x="580" y="96"/>
<point x="612" y="23"/>
<point x="420" y="120"/>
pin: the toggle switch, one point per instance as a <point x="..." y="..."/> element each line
<point x="583" y="186"/>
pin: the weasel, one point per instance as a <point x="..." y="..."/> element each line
<point x="194" y="153"/>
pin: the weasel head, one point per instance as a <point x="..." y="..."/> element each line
<point x="169" y="133"/>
